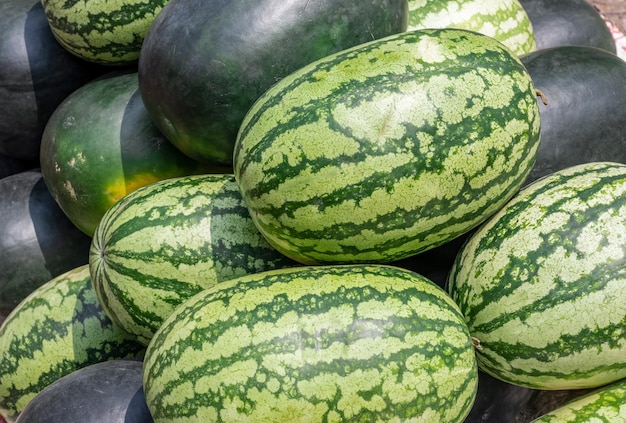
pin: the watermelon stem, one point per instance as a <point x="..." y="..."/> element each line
<point x="544" y="99"/>
<point x="476" y="343"/>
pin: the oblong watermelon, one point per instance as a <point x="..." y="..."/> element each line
<point x="390" y="148"/>
<point x="108" y="32"/>
<point x="169" y="240"/>
<point x="541" y="283"/>
<point x="56" y="330"/>
<point x="314" y="344"/>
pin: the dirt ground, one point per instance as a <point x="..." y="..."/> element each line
<point x="614" y="10"/>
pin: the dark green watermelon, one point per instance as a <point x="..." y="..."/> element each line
<point x="585" y="116"/>
<point x="36" y="74"/>
<point x="203" y="64"/>
<point x="37" y="241"/>
<point x="110" y="391"/>
<point x="568" y="22"/>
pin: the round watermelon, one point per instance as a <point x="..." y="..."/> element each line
<point x="110" y="391"/>
<point x="101" y="144"/>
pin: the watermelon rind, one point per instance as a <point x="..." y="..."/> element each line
<point x="388" y="149"/>
<point x="314" y="344"/>
<point x="58" y="328"/>
<point x="541" y="283"/>
<point x="504" y="20"/>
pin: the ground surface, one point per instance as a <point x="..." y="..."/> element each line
<point x="614" y="10"/>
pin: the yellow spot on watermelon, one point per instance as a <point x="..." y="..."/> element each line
<point x="124" y="186"/>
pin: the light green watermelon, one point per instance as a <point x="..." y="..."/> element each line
<point x="58" y="328"/>
<point x="109" y="32"/>
<point x="541" y="283"/>
<point x="169" y="240"/>
<point x="605" y="404"/>
<point x="314" y="344"/>
<point x="388" y="149"/>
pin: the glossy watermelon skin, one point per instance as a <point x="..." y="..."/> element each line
<point x="101" y="144"/>
<point x="541" y="282"/>
<point x="201" y="67"/>
<point x="56" y="330"/>
<point x="568" y="23"/>
<point x="504" y="20"/>
<point x="169" y="240"/>
<point x="313" y="344"/>
<point x="36" y="75"/>
<point x="388" y="149"/>
<point x="110" y="391"/>
<point x="37" y="241"/>
<point x="603" y="404"/>
<point x="106" y="32"/>
<point x="584" y="124"/>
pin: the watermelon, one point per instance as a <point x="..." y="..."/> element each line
<point x="504" y="20"/>
<point x="203" y="64"/>
<point x="56" y="330"/>
<point x="541" y="283"/>
<point x="389" y="148"/>
<point x="101" y="144"/>
<point x="37" y="241"/>
<point x="581" y="125"/>
<point x="559" y="23"/>
<point x="36" y="74"/>
<point x="169" y="240"/>
<point x="106" y="392"/>
<point x="605" y="404"/>
<point x="107" y="32"/>
<point x="313" y="344"/>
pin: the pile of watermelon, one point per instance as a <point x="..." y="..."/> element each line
<point x="311" y="211"/>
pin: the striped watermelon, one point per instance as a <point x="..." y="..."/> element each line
<point x="541" y="284"/>
<point x="109" y="32"/>
<point x="314" y="344"/>
<point x="169" y="240"/>
<point x="504" y="20"/>
<point x="388" y="149"/>
<point x="605" y="404"/>
<point x="57" y="329"/>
